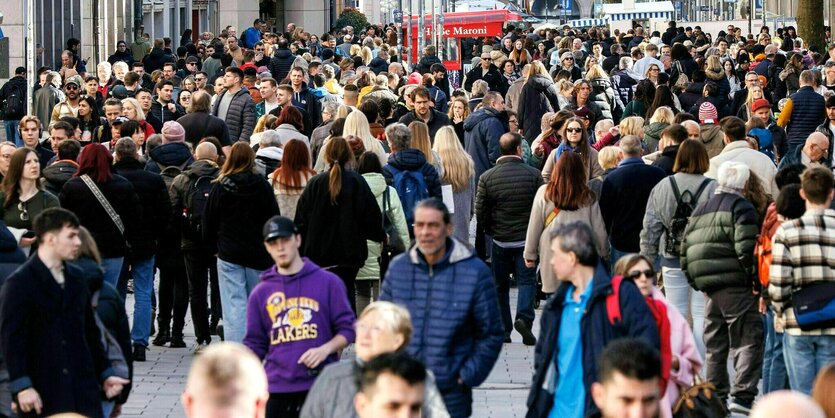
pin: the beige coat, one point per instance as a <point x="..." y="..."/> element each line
<point x="594" y="168"/>
<point x="538" y="240"/>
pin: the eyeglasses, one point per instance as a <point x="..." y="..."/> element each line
<point x="71" y="87"/>
<point x="199" y="78"/>
<point x="24" y="213"/>
<point x="655" y="69"/>
<point x="574" y="130"/>
<point x="191" y="63"/>
<point x="487" y="59"/>
<point x="568" y="59"/>
<point x="635" y="275"/>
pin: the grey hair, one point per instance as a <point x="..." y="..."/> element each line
<point x="630" y="145"/>
<point x="577" y="237"/>
<point x="690" y="122"/>
<point x="270" y="138"/>
<point x="330" y="107"/>
<point x="480" y="88"/>
<point x="399" y="136"/>
<point x="733" y="175"/>
<point x="626" y="63"/>
<point x="808" y="78"/>
<point x="125" y="148"/>
<point x="381" y="80"/>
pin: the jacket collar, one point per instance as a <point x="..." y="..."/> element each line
<point x="631" y="161"/>
<point x="734" y="145"/>
<point x="455" y="251"/>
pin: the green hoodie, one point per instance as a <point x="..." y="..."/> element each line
<point x="377" y="184"/>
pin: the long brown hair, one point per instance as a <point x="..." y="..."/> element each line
<point x="11" y="183"/>
<point x="241" y="160"/>
<point x="295" y="165"/>
<point x="567" y="186"/>
<point x="338" y="155"/>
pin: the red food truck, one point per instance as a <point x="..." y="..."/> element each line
<point x="459" y="25"/>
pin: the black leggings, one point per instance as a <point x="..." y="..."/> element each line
<point x="349" y="277"/>
<point x="201" y="268"/>
<point x="285" y="405"/>
<point x="173" y="294"/>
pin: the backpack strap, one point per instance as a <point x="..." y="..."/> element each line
<point x="613" y="301"/>
<point x="676" y="191"/>
<point x="702" y="188"/>
<point x="551" y="216"/>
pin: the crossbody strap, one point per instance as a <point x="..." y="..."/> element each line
<point x="104" y="203"/>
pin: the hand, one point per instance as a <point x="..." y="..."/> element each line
<point x="117" y="410"/>
<point x="614" y="130"/>
<point x="530" y="263"/>
<point x="763" y="306"/>
<point x="313" y="357"/>
<point x="539" y="150"/>
<point x="27" y="242"/>
<point x="113" y="386"/>
<point x="259" y="56"/>
<point x="675" y="364"/>
<point x="171" y="107"/>
<point x="28" y="400"/>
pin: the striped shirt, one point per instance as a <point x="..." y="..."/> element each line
<point x="803" y="252"/>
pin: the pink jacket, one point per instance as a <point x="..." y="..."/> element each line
<point x="683" y="347"/>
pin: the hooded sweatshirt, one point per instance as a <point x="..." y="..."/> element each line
<point x="288" y="315"/>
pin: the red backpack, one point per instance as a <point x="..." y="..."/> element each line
<point x="659" y="313"/>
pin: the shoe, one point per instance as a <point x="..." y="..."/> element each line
<point x="139" y="352"/>
<point x="524" y="329"/>
<point x="507" y="339"/>
<point x="163" y="337"/>
<point x="200" y="347"/>
<point x="740" y="407"/>
<point x="219" y="330"/>
<point x="177" y="342"/>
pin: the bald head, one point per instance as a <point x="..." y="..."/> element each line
<point x="206" y="151"/>
<point x="816" y="146"/>
<point x="786" y="404"/>
<point x="510" y="144"/>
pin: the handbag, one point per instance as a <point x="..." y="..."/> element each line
<point x="699" y="401"/>
<point x="117" y="220"/>
<point x="682" y="80"/>
<point x="814" y="306"/>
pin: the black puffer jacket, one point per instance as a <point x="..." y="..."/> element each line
<point x="76" y="197"/>
<point x="58" y="174"/>
<point x="241" y="115"/>
<point x="413" y="160"/>
<point x="539" y="96"/>
<point x="426" y="62"/>
<point x="281" y="64"/>
<point x="180" y="193"/>
<point x="718" y="248"/>
<point x="236" y="211"/>
<point x="505" y="197"/>
<point x="156" y="207"/>
<point x="603" y="94"/>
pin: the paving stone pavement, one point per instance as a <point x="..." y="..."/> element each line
<point x="159" y="381"/>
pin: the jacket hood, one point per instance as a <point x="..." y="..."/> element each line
<point x="709" y="131"/>
<point x="61" y="169"/>
<point x="714" y="75"/>
<point x="600" y="82"/>
<point x="274" y="153"/>
<point x="540" y="82"/>
<point x="175" y="153"/>
<point x="455" y="251"/>
<point x="17" y="81"/>
<point x="634" y="74"/>
<point x="242" y="183"/>
<point x="408" y="159"/>
<point x="283" y="53"/>
<point x="272" y="274"/>
<point x="203" y="168"/>
<point x="480" y="115"/>
<point x="376" y="182"/>
<point x="156" y="53"/>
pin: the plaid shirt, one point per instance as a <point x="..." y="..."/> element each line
<point x="803" y="252"/>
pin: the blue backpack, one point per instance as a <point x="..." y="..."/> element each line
<point x="411" y="187"/>
<point x="764" y="140"/>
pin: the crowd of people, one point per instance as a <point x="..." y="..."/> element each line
<point x="666" y="198"/>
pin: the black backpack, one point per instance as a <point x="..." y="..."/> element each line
<point x="14" y="105"/>
<point x="170" y="172"/>
<point x="685" y="204"/>
<point x="197" y="195"/>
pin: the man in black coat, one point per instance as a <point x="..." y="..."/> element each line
<point x="199" y="124"/>
<point x="282" y="61"/>
<point x="487" y="72"/>
<point x="154" y="216"/>
<point x="48" y="333"/>
<point x="235" y="106"/>
<point x="424" y="112"/>
<point x="503" y="206"/>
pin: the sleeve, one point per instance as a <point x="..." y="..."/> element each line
<point x="489" y="333"/>
<point x="550" y="161"/>
<point x="552" y="94"/>
<point x="495" y="130"/>
<point x="536" y="224"/>
<point x="94" y="338"/>
<point x="225" y="138"/>
<point x="781" y="273"/>
<point x="14" y="339"/>
<point x="316" y="114"/>
<point x="163" y="212"/>
<point x="785" y="114"/>
<point x="482" y="202"/>
<point x="605" y="141"/>
<point x="318" y="396"/>
<point x="303" y="210"/>
<point x="130" y="212"/>
<point x="521" y="105"/>
<point x="341" y="315"/>
<point x="257" y="331"/>
<point x="653" y="228"/>
<point x="745" y="238"/>
<point x="248" y="125"/>
<point x="685" y="244"/>
<point x="685" y="349"/>
<point x="399" y="218"/>
<point x="123" y="335"/>
<point x="607" y="189"/>
<point x="433" y="181"/>
<point x="600" y="235"/>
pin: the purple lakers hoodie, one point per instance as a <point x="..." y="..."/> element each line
<point x="287" y="315"/>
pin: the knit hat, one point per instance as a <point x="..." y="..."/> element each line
<point x="172" y="131"/>
<point x="415" y="78"/>
<point x="707" y="113"/>
<point x="759" y="104"/>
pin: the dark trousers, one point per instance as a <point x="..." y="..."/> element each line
<point x="507" y="261"/>
<point x="733" y="325"/>
<point x="285" y="405"/>
<point x="201" y="269"/>
<point x="173" y="293"/>
<point x="349" y="277"/>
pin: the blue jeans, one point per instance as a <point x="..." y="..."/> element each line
<point x="615" y="255"/>
<point x="507" y="261"/>
<point x="107" y="408"/>
<point x="805" y="356"/>
<point x="143" y="286"/>
<point x="112" y="268"/>
<point x="12" y="133"/>
<point x="236" y="283"/>
<point x="688" y="301"/>
<point x="774" y="364"/>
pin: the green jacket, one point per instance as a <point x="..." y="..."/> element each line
<point x="718" y="247"/>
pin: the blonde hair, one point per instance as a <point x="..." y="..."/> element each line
<point x="596" y="71"/>
<point x="633" y="125"/>
<point x="342" y="112"/>
<point x="395" y="317"/>
<point x="229" y="374"/>
<point x="537" y="68"/>
<point x="355" y="50"/>
<point x="420" y="140"/>
<point x="356" y="124"/>
<point x="608" y="157"/>
<point x="140" y="114"/>
<point x="458" y="166"/>
<point x="365" y="53"/>
<point x="664" y="115"/>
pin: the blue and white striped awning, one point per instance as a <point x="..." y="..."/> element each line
<point x="642" y="15"/>
<point x="587" y="23"/>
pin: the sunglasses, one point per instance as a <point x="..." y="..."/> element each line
<point x="635" y="275"/>
<point x="24" y="214"/>
<point x="71" y="87"/>
<point x="574" y="130"/>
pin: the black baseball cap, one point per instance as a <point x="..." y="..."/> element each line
<point x="279" y="227"/>
<point x="20" y="70"/>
